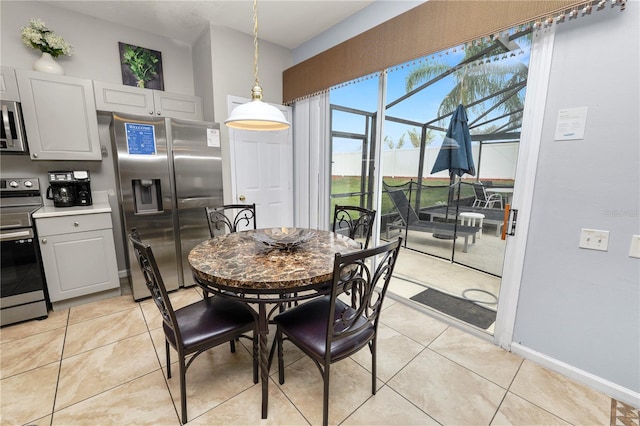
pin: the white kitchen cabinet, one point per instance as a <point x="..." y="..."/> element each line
<point x="79" y="258"/>
<point x="60" y="116"/>
<point x="136" y="100"/>
<point x="8" y="85"/>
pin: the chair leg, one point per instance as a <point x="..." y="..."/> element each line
<point x="255" y="357"/>
<point x="183" y="390"/>
<point x="232" y="343"/>
<point x="325" y="397"/>
<point x="280" y="357"/>
<point x="168" y="358"/>
<point x="373" y="366"/>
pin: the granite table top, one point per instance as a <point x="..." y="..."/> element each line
<point x="238" y="261"/>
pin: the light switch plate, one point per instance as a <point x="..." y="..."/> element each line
<point x="594" y="239"/>
<point x="634" y="250"/>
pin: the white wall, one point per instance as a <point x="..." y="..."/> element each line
<point x="203" y="76"/>
<point x="498" y="162"/>
<point x="582" y="307"/>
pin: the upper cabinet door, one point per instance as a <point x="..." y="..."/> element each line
<point x="127" y="99"/>
<point x="60" y="116"/>
<point x="175" y="105"/>
<point x="8" y="85"/>
<point x="136" y="100"/>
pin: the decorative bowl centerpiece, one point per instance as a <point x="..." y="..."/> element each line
<point x="283" y="238"/>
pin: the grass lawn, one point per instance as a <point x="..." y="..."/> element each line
<point x="434" y="191"/>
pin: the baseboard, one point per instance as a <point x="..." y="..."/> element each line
<point x="598" y="383"/>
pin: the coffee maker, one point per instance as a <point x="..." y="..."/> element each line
<point x="69" y="188"/>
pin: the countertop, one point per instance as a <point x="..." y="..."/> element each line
<point x="100" y="205"/>
<point x="50" y="211"/>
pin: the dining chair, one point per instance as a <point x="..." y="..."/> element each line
<point x="229" y="218"/>
<point x="195" y="328"/>
<point x="240" y="215"/>
<point x="356" y="222"/>
<point x="331" y="328"/>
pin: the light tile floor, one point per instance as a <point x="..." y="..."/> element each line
<point x="103" y="363"/>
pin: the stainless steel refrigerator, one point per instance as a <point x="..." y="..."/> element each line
<point x="169" y="170"/>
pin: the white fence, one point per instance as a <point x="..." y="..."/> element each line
<point x="498" y="162"/>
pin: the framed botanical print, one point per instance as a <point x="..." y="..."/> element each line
<point x="141" y="67"/>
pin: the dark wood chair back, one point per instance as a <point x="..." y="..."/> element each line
<point x="230" y="218"/>
<point x="356" y="222"/>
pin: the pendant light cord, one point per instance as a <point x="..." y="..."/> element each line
<point x="255" y="41"/>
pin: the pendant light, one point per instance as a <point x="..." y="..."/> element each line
<point x="255" y="114"/>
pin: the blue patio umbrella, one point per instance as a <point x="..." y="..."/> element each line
<point x="455" y="154"/>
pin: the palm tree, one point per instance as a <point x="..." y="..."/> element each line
<point x="414" y="137"/>
<point x="480" y="85"/>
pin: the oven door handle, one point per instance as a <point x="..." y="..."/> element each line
<point x="7" y="125"/>
<point x="16" y="235"/>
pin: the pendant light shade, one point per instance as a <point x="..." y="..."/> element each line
<point x="255" y="114"/>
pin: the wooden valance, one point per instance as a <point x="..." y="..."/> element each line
<point x="426" y="29"/>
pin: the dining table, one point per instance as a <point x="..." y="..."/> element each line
<point x="253" y="268"/>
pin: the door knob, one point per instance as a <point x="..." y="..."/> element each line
<point x="242" y="198"/>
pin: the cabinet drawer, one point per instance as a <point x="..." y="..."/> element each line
<point x="76" y="223"/>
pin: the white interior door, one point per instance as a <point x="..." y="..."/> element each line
<point x="262" y="171"/>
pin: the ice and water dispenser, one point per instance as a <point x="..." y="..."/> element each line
<point x="147" y="196"/>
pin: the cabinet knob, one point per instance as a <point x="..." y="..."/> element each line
<point x="44" y="241"/>
<point x="150" y="112"/>
<point x="76" y="224"/>
<point x="158" y="112"/>
<point x="35" y="155"/>
<point x="242" y="198"/>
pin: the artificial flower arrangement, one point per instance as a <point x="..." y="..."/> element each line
<point x="38" y="36"/>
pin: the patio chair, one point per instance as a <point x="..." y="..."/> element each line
<point x="219" y="222"/>
<point x="195" y="328"/>
<point x="356" y="222"/>
<point x="329" y="329"/>
<point x="483" y="199"/>
<point x="410" y="220"/>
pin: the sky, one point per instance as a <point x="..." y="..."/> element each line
<point x="421" y="107"/>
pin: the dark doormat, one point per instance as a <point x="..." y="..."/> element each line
<point x="456" y="307"/>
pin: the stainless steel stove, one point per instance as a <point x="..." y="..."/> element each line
<point x="22" y="283"/>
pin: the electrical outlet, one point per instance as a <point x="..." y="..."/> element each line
<point x="634" y="250"/>
<point x="594" y="239"/>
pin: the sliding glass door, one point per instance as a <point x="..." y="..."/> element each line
<point x="445" y="212"/>
<point x="353" y="124"/>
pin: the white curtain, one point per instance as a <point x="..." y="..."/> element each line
<point x="311" y="162"/>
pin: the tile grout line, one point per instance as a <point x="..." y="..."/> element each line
<point x="109" y="389"/>
<point x="64" y="341"/>
<point x="164" y="376"/>
<point x="386" y="384"/>
<point x="527" y="400"/>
